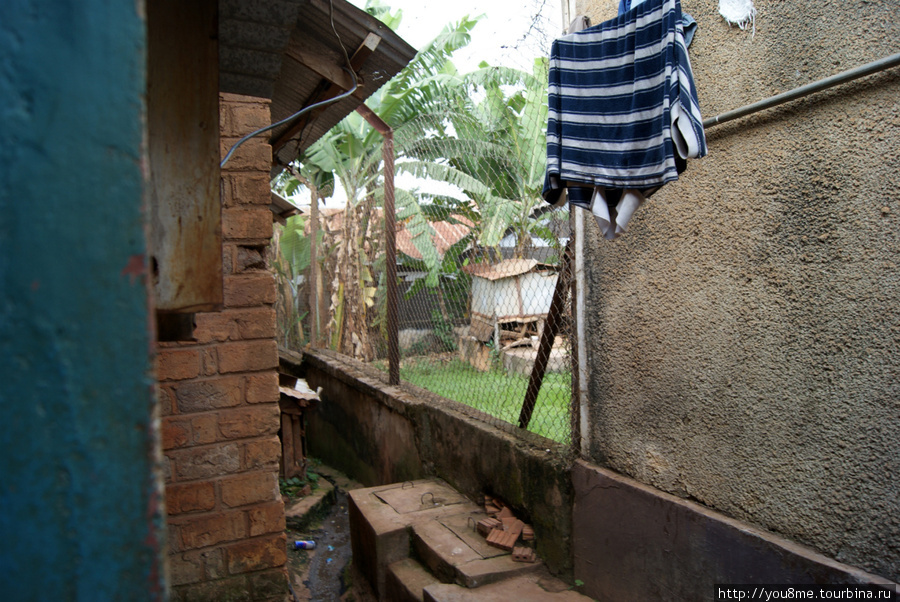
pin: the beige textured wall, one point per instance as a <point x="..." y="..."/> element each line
<point x="744" y="332"/>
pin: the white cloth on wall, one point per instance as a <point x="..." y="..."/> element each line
<point x="613" y="226"/>
<point x="739" y="12"/>
<point x="578" y="23"/>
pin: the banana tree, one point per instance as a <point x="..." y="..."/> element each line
<point x="352" y="151"/>
<point x="486" y="136"/>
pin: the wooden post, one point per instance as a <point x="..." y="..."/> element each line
<point x="551" y="328"/>
<point x="313" y="284"/>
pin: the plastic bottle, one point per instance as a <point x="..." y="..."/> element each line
<point x="304" y="545"/>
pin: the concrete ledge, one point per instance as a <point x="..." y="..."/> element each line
<point x="300" y="513"/>
<point x="358" y="375"/>
<point x="520" y="360"/>
<point x="406" y="581"/>
<point x="441" y="550"/>
<point x="479" y="573"/>
<point x="637" y="543"/>
<point x="377" y="538"/>
<point x="536" y="587"/>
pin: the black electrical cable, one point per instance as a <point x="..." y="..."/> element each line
<point x="291" y="118"/>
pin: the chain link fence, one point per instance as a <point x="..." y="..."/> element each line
<point x="483" y="312"/>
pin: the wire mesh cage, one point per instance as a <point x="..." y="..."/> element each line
<point x="482" y="313"/>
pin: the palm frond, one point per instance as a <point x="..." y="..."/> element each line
<point x="444" y="173"/>
<point x="421" y="232"/>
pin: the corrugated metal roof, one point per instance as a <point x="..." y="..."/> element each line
<point x="505" y="269"/>
<point x="446" y="234"/>
<point x="286" y="50"/>
<point x="299" y="81"/>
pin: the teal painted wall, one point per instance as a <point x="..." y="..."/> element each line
<point x="79" y="517"/>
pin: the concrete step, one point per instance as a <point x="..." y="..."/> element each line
<point x="455" y="559"/>
<point x="381" y="519"/>
<point x="415" y="540"/>
<point x="536" y="587"/>
<point x="439" y="549"/>
<point x="406" y="581"/>
<point x="299" y="514"/>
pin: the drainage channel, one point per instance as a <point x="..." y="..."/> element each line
<point x="322" y="573"/>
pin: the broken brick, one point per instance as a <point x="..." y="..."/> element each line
<point x="523" y="554"/>
<point x="486" y="525"/>
<point x="506" y="539"/>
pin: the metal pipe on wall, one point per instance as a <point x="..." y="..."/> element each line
<point x="822" y="84"/>
<point x="583" y="418"/>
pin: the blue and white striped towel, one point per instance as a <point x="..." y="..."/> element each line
<point x="622" y="102"/>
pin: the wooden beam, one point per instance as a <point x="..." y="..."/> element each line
<point x="374" y="120"/>
<point x="323" y="66"/>
<point x="299" y="458"/>
<point x="287" y="447"/>
<point x="328" y="88"/>
<point x="551" y="328"/>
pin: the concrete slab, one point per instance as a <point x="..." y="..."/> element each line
<point x="388" y="524"/>
<point x="461" y="525"/>
<point x="491" y="570"/>
<point x="538" y="587"/>
<point x="441" y="550"/>
<point x="407" y="580"/>
<point x="378" y="537"/>
<point x="520" y="360"/>
<point x="417" y="496"/>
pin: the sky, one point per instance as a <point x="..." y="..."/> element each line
<point x="498" y="37"/>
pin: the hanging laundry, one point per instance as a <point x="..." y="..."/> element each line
<point x="739" y="12"/>
<point x="623" y="112"/>
<point x="578" y="23"/>
<point x="688" y="22"/>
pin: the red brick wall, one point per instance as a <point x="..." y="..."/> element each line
<point x="219" y="400"/>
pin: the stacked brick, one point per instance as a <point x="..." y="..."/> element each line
<point x="219" y="401"/>
<point x="501" y="529"/>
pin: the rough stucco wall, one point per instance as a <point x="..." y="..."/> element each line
<point x="79" y="508"/>
<point x="744" y="331"/>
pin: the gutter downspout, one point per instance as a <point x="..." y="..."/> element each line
<point x="817" y="86"/>
<point x="581" y="394"/>
<point x="390" y="227"/>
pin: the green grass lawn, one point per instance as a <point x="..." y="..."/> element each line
<point x="495" y="392"/>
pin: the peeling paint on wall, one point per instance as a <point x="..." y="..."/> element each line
<point x="78" y="511"/>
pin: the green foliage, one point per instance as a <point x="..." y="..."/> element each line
<point x="294" y="487"/>
<point x="485" y="135"/>
<point x="443" y="330"/>
<point x="411" y="216"/>
<point x="295" y="245"/>
<point x="482" y="133"/>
